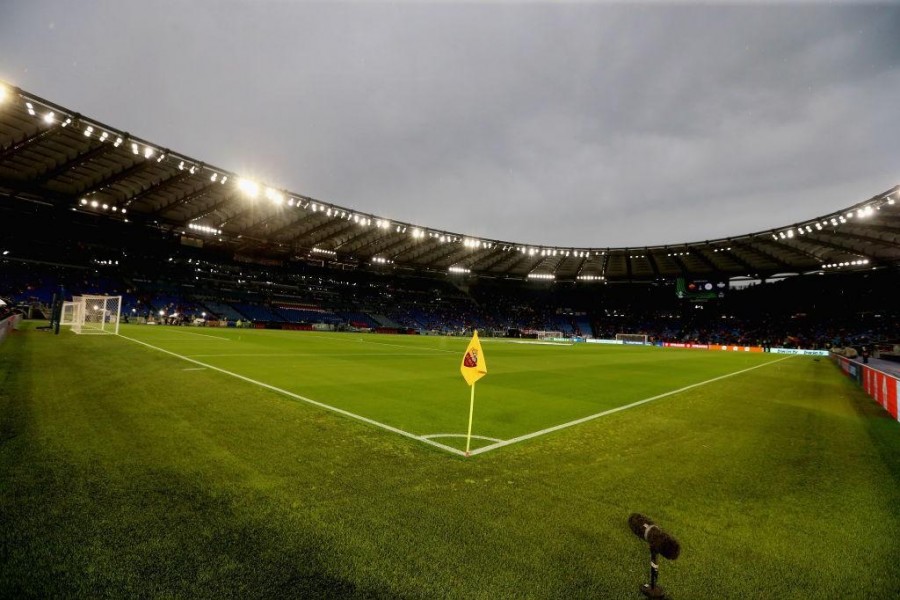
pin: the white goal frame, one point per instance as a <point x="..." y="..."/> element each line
<point x="632" y="338"/>
<point x="95" y="315"/>
<point x="67" y="315"/>
<point x="543" y="335"/>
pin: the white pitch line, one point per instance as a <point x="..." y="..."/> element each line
<point x="303" y="398"/>
<point x="345" y="354"/>
<point x="422" y="347"/>
<point x="171" y="329"/>
<point x="460" y="435"/>
<point x="535" y="434"/>
<point x="347" y="339"/>
<point x="195" y="369"/>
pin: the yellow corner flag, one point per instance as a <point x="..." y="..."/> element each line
<point x="473" y="366"/>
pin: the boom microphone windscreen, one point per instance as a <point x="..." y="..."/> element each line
<point x="659" y="540"/>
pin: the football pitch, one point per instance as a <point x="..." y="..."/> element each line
<point x="412" y="386"/>
<point x="189" y="462"/>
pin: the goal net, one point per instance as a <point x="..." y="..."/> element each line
<point x="632" y="338"/>
<point x="541" y="334"/>
<point x="94" y="314"/>
<point x="67" y="314"/>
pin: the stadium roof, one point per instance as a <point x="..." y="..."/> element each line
<point x="52" y="155"/>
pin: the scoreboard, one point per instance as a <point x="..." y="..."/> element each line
<point x="700" y="289"/>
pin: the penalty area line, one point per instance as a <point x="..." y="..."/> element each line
<point x="284" y="392"/>
<point x="535" y="434"/>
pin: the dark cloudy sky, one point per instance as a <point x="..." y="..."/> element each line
<point x="589" y="124"/>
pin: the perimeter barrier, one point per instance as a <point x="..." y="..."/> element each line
<point x="881" y="386"/>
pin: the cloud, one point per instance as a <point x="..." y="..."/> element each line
<point x="582" y="124"/>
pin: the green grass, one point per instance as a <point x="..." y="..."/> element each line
<point x="413" y="383"/>
<point x="121" y="474"/>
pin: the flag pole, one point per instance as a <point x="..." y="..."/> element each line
<point x="471" y="411"/>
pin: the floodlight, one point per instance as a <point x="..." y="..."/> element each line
<point x="162" y="312"/>
<point x="274" y="195"/>
<point x="49" y="118"/>
<point x="94" y="204"/>
<point x="84" y="201"/>
<point x="88" y="131"/>
<point x="4" y="93"/>
<point x="250" y="188"/>
<point x="148" y="152"/>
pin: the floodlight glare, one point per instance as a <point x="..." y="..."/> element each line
<point x="274" y="195"/>
<point x="49" y="118"/>
<point x="94" y="204"/>
<point x="4" y="93"/>
<point x="250" y="188"/>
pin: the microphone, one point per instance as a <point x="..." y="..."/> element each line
<point x="660" y="541"/>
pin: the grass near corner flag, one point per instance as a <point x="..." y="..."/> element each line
<point x="473" y="366"/>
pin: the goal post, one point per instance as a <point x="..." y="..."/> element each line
<point x="632" y="338"/>
<point x="67" y="314"/>
<point x="94" y="315"/>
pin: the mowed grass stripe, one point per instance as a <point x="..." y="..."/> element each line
<point x="299" y="397"/>
<point x="530" y="388"/>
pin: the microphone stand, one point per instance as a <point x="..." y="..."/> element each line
<point x="651" y="590"/>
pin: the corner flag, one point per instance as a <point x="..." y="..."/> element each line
<point x="473" y="365"/>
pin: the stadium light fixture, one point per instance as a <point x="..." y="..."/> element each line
<point x="49" y="118"/>
<point x="274" y="195"/>
<point x="30" y="107"/>
<point x="248" y="187"/>
<point x="118" y="142"/>
<point x="88" y="131"/>
<point x="4" y="93"/>
<point x="103" y="136"/>
<point x="84" y="201"/>
<point x="94" y="204"/>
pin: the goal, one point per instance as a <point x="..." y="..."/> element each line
<point x="93" y="314"/>
<point x="541" y="334"/>
<point x="632" y="338"/>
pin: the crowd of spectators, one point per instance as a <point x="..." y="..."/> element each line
<point x="163" y="280"/>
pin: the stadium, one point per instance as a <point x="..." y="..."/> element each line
<point x="217" y="386"/>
